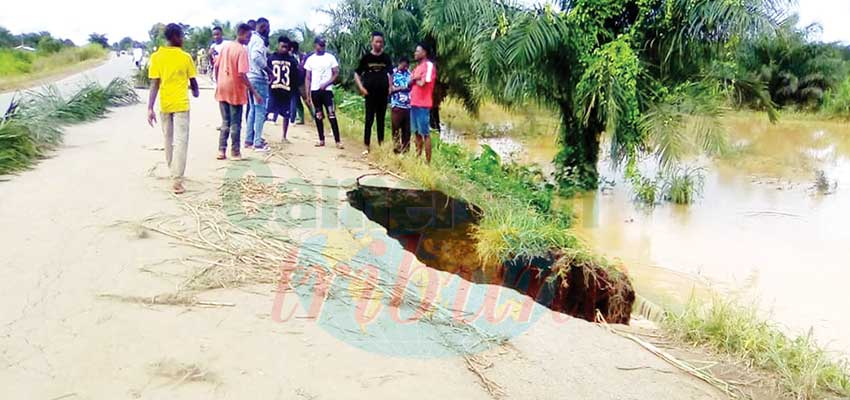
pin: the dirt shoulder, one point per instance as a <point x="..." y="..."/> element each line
<point x="83" y="262"/>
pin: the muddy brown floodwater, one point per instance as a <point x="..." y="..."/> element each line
<point x="761" y="232"/>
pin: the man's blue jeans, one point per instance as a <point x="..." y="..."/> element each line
<point x="257" y="114"/>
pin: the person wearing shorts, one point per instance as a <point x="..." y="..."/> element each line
<point x="283" y="80"/>
<point x="422" y="83"/>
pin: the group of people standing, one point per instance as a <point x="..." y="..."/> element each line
<point x="246" y="75"/>
<point x="409" y="94"/>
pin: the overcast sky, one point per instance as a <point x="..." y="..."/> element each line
<point x="76" y="19"/>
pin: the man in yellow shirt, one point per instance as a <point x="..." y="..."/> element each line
<point x="170" y="70"/>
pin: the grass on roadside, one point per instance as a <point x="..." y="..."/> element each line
<point x="802" y="368"/>
<point x="519" y="218"/>
<point x="33" y="125"/>
<point x="19" y="68"/>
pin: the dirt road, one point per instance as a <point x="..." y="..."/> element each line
<point x="68" y="240"/>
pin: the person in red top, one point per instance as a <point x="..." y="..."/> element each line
<point x="231" y="69"/>
<point x="422" y="83"/>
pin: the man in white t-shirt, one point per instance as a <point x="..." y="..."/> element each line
<point x="322" y="71"/>
<point x="138" y="54"/>
<point x="216" y="46"/>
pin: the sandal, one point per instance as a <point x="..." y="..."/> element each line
<point x="221" y="156"/>
<point x="320" y="144"/>
<point x="178" y="188"/>
<point x="340" y="146"/>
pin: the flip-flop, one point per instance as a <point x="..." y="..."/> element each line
<point x="178" y="189"/>
<point x="221" y="157"/>
<point x="320" y="144"/>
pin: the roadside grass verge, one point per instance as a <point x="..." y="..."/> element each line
<point x="520" y="218"/>
<point x="34" y="123"/>
<point x="803" y="369"/>
<point x="19" y="69"/>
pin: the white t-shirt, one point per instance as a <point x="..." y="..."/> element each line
<point x="322" y="68"/>
<point x="137" y="54"/>
<point x="215" y="48"/>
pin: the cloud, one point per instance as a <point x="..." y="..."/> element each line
<point x="831" y="15"/>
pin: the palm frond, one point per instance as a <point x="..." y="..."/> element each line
<point x="34" y="124"/>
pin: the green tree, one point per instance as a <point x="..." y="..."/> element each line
<point x="604" y="65"/>
<point x="352" y="24"/>
<point x="99" y="39"/>
<point x="197" y="37"/>
<point x="156" y="36"/>
<point x="306" y="36"/>
<point x="126" y="43"/>
<point x="795" y="69"/>
<point x="7" y="39"/>
<point x="31" y="39"/>
<point x="228" y="30"/>
<point x="353" y="21"/>
<point x="289" y="33"/>
<point x="48" y="45"/>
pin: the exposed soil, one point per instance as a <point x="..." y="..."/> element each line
<point x="437" y="229"/>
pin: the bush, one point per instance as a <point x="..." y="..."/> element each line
<point x="684" y="185"/>
<point x="68" y="56"/>
<point x="15" y="62"/>
<point x="49" y="45"/>
<point x="836" y="102"/>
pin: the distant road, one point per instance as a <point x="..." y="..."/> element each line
<point x="114" y="68"/>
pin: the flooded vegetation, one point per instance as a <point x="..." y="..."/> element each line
<point x="768" y="227"/>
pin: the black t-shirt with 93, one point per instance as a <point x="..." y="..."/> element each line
<point x="374" y="71"/>
<point x="284" y="72"/>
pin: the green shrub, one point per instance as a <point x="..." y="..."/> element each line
<point x="683" y="185"/>
<point x="49" y="45"/>
<point x="68" y="56"/>
<point x="141" y="78"/>
<point x="836" y="102"/>
<point x="15" y="62"/>
<point x="17" y="147"/>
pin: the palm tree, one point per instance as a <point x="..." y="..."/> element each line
<point x="795" y="70"/>
<point x="99" y="39"/>
<point x="603" y="65"/>
<point x="353" y="21"/>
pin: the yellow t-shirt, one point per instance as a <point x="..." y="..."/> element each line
<point x="173" y="67"/>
